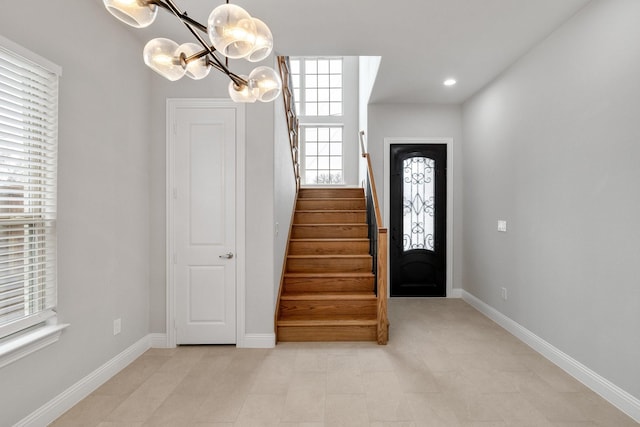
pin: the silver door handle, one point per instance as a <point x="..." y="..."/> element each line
<point x="228" y="255"/>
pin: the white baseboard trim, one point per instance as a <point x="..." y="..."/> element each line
<point x="259" y="341"/>
<point x="455" y="293"/>
<point x="619" y="398"/>
<point x="159" y="340"/>
<point x="57" y="406"/>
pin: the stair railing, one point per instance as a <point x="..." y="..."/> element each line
<point x="292" y="119"/>
<point x="378" y="246"/>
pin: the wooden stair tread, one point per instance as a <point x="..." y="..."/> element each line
<point x="329" y="256"/>
<point x="315" y="296"/>
<point x="325" y="211"/>
<point x="331" y="199"/>
<point x="341" y="224"/>
<point x="329" y="275"/>
<point x="328" y="322"/>
<point x="330" y="239"/>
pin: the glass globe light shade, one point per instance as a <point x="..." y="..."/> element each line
<point x="264" y="42"/>
<point x="198" y="68"/>
<point x="267" y="82"/>
<point x="137" y="13"/>
<point x="161" y="56"/>
<point x="242" y="93"/>
<point x="232" y="31"/>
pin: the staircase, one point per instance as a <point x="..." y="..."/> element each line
<point x="328" y="286"/>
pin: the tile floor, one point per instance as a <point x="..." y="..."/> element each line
<point x="445" y="365"/>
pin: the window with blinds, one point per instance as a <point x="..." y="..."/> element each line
<point x="28" y="169"/>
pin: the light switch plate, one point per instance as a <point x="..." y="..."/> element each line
<point x="502" y="225"/>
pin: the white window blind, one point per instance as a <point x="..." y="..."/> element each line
<point x="28" y="170"/>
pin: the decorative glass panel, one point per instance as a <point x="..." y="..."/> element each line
<point x="418" y="202"/>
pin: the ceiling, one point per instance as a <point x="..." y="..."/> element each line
<point x="421" y="42"/>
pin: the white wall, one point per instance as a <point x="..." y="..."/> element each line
<point x="103" y="235"/>
<point x="284" y="191"/>
<point x="367" y="72"/>
<point x="419" y="120"/>
<point x="552" y="146"/>
<point x="258" y="204"/>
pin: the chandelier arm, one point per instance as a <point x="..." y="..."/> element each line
<point x="183" y="16"/>
<point x="190" y="24"/>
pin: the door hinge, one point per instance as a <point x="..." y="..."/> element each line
<point x="175" y="193"/>
<point x="175" y="258"/>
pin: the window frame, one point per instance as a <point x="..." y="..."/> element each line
<point x="31" y="332"/>
<point x="306" y="156"/>
<point x="317" y="120"/>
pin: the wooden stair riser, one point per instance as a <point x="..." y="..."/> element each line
<point x="327" y="333"/>
<point x="330" y="217"/>
<point x="330" y="193"/>
<point x="337" y="264"/>
<point x="328" y="309"/>
<point x="329" y="247"/>
<point x="329" y="231"/>
<point x="356" y="284"/>
<point x="330" y="204"/>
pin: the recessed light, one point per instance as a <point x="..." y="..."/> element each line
<point x="450" y="82"/>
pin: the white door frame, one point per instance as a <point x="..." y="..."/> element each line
<point x="174" y="104"/>
<point x="405" y="141"/>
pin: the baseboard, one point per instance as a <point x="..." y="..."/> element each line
<point x="619" y="398"/>
<point x="259" y="341"/>
<point x="159" y="340"/>
<point x="57" y="406"/>
<point x="455" y="293"/>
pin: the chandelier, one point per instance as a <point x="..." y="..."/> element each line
<point x="233" y="33"/>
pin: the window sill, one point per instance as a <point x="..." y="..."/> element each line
<point x="29" y="342"/>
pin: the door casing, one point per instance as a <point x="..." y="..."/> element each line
<point x="388" y="141"/>
<point x="173" y="104"/>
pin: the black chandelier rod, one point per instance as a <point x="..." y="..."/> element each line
<point x="208" y="50"/>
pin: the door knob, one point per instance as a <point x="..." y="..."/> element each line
<point x="228" y="255"/>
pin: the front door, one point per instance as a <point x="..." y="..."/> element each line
<point x="418" y="213"/>
<point x="203" y="202"/>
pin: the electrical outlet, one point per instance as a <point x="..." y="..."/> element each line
<point x="502" y="225"/>
<point x="117" y="326"/>
<point x="277" y="228"/>
<point x="503" y="292"/>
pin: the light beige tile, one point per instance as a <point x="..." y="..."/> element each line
<point x="131" y="377"/>
<point x="272" y="380"/>
<point x="385" y="399"/>
<point x="413" y="374"/>
<point x="305" y="401"/>
<point x="515" y="408"/>
<point x="348" y="382"/>
<point x="445" y="365"/>
<point x="89" y="412"/>
<point x="261" y="410"/>
<point x="432" y="409"/>
<point x="301" y="425"/>
<point x="221" y="407"/>
<point x="374" y="360"/>
<point x="475" y="407"/>
<point x="346" y="410"/>
<point x="119" y="424"/>
<point x="392" y="424"/>
<point x="311" y="361"/>
<point x="596" y="409"/>
<point x="177" y="409"/>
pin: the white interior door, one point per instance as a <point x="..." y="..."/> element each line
<point x="204" y="224"/>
